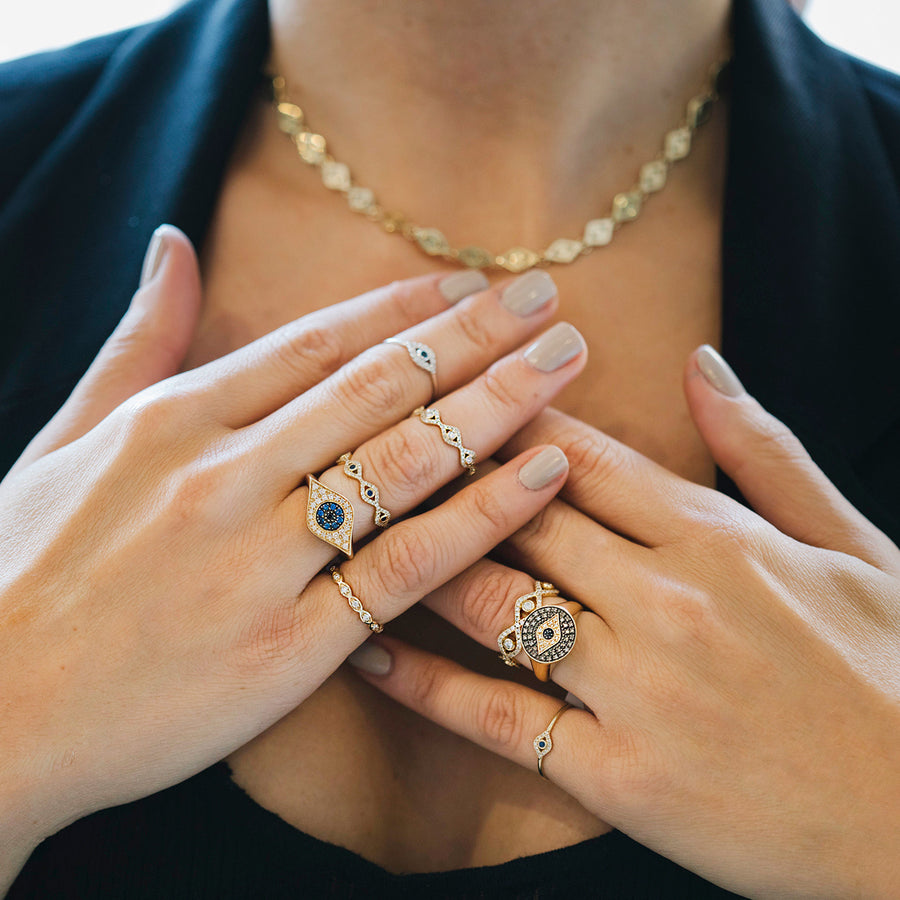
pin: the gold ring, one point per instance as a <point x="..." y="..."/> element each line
<point x="450" y="435"/>
<point x="543" y="743"/>
<point x="367" y="491"/>
<point x="329" y="516"/>
<point x="355" y="603"/>
<point x="546" y="633"/>
<point x="423" y="356"/>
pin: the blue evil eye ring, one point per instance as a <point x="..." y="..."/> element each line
<point x="423" y="356"/>
<point x="543" y="743"/>
<point x="367" y="491"/>
<point x="329" y="516"/>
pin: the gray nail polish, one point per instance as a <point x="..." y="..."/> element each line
<point x="156" y="252"/>
<point x="554" y="348"/>
<point x="540" y="470"/>
<point x="718" y="373"/>
<point x="461" y="284"/>
<point x="528" y="293"/>
<point x="371" y="658"/>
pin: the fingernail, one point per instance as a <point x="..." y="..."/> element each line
<point x="156" y="252"/>
<point x="461" y="284"/>
<point x="540" y="470"/>
<point x="554" y="348"/>
<point x="371" y="658"/>
<point x="718" y="373"/>
<point x="528" y="293"/>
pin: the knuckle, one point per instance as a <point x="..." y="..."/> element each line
<point x="403" y="462"/>
<point x="196" y="491"/>
<point x="484" y="601"/>
<point x="272" y="640"/>
<point x="499" y="718"/>
<point x="305" y="350"/>
<point x="595" y="458"/>
<point x="689" y="615"/>
<point x="471" y="325"/>
<point x="373" y="382"/>
<point x="407" y="558"/>
<point x="488" y="508"/>
<point x="498" y="383"/>
<point x="426" y="683"/>
<point x="154" y="415"/>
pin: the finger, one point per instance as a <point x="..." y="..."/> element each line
<point x="382" y="387"/>
<point x="413" y="557"/>
<point x="619" y="487"/>
<point x="500" y="716"/>
<point x="258" y="379"/>
<point x="771" y="467"/>
<point x="147" y="346"/>
<point x="559" y="540"/>
<point x="407" y="463"/>
<point x="481" y="603"/>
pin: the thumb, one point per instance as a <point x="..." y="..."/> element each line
<point x="771" y="468"/>
<point x="148" y="345"/>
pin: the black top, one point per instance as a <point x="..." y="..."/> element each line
<point x="103" y="141"/>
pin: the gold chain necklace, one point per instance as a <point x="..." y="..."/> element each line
<point x="626" y="206"/>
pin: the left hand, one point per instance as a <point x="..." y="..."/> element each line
<point x="741" y="670"/>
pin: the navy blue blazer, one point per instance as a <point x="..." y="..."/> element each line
<point x="102" y="142"/>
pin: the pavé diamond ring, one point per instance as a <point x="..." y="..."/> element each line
<point x="367" y="491"/>
<point x="354" y="602"/>
<point x="545" y="632"/>
<point x="329" y="516"/>
<point x="450" y="435"/>
<point x="423" y="356"/>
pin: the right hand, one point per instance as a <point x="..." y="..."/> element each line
<point x="161" y="601"/>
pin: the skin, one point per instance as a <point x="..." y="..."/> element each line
<point x="274" y="220"/>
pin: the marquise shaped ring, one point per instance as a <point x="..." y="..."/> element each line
<point x="423" y="356"/>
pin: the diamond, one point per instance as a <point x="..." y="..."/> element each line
<point x="335" y="176"/>
<point x="509" y="644"/>
<point x="431" y="241"/>
<point x="360" y="198"/>
<point x="598" y="232"/>
<point x="626" y="206"/>
<point x="366" y="617"/>
<point x="528" y="605"/>
<point x="345" y="590"/>
<point x="563" y="250"/>
<point x="678" y="144"/>
<point x="518" y="259"/>
<point x="653" y="176"/>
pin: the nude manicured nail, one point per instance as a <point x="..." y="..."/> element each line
<point x="371" y="658"/>
<point x="718" y="373"/>
<point x="554" y="348"/>
<point x="156" y="252"/>
<point x="528" y="293"/>
<point x="540" y="470"/>
<point x="461" y="284"/>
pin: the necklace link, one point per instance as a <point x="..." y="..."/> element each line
<point x="626" y="206"/>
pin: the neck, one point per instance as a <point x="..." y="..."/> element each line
<point x="496" y="122"/>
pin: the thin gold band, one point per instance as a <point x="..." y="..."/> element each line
<point x="543" y="743"/>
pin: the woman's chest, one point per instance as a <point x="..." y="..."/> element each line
<point x="642" y="304"/>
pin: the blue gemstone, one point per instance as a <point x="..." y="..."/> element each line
<point x="542" y="744"/>
<point x="329" y="516"/>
